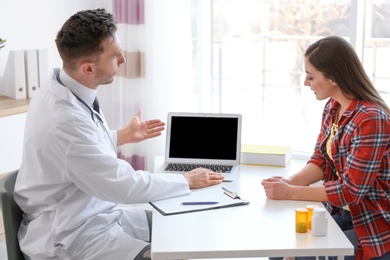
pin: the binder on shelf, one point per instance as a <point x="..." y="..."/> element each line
<point x="265" y="154"/>
<point x="32" y="80"/>
<point x="43" y="66"/>
<point x="14" y="79"/>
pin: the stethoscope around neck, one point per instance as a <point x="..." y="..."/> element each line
<point x="93" y="112"/>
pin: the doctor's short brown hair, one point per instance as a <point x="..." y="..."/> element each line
<point x="82" y="35"/>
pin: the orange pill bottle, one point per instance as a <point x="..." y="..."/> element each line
<point x="301" y="220"/>
<point x="310" y="209"/>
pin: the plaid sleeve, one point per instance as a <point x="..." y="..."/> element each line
<point x="361" y="150"/>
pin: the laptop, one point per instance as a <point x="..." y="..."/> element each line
<point x="205" y="140"/>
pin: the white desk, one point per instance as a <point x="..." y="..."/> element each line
<point x="261" y="229"/>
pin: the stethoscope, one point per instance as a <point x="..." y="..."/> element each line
<point x="93" y="112"/>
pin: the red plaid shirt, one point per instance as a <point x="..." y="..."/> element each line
<point x="361" y="156"/>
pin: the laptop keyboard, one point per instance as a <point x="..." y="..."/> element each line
<point x="180" y="167"/>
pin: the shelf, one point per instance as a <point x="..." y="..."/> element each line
<point x="10" y="106"/>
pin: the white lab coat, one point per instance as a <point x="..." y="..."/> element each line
<point x="70" y="180"/>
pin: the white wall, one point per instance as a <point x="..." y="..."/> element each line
<point x="11" y="140"/>
<point x="34" y="24"/>
<point x="28" y="24"/>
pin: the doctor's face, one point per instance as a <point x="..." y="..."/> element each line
<point x="109" y="62"/>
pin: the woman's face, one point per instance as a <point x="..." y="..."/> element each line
<point x="323" y="87"/>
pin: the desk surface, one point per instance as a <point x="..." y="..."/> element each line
<point x="261" y="229"/>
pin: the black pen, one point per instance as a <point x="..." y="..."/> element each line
<point x="200" y="203"/>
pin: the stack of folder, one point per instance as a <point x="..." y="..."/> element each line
<point x="25" y="71"/>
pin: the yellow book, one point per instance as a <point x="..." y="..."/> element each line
<point x="265" y="154"/>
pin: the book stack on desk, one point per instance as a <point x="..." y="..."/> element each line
<point x="265" y="155"/>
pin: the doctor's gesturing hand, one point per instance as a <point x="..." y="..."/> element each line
<point x="137" y="130"/>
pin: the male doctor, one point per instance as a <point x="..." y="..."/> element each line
<point x="70" y="180"/>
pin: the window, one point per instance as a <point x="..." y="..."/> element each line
<point x="248" y="59"/>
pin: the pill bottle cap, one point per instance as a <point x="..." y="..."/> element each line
<point x="301" y="210"/>
<point x="311" y="206"/>
<point x="319" y="211"/>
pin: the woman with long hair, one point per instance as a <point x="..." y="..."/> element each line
<point x="352" y="153"/>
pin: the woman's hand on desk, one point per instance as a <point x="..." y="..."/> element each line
<point x="200" y="177"/>
<point x="287" y="180"/>
<point x="277" y="188"/>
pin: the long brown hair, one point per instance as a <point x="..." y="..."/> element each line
<point x="337" y="60"/>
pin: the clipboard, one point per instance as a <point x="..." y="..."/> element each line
<point x="174" y="206"/>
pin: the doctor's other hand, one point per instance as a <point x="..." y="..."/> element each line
<point x="201" y="177"/>
<point x="137" y="130"/>
<point x="277" y="188"/>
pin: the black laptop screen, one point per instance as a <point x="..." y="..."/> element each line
<point x="203" y="137"/>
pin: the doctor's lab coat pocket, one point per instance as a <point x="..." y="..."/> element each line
<point x="104" y="137"/>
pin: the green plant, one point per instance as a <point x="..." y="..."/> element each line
<point x="2" y="42"/>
